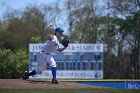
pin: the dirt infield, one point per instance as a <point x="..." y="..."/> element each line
<point x="37" y="84"/>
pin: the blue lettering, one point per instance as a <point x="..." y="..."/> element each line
<point x="98" y="47"/>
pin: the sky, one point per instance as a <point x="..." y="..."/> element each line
<point x="20" y="4"/>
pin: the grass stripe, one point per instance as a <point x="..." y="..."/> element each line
<point x="69" y="91"/>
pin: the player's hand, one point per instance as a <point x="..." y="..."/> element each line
<point x="50" y="37"/>
<point x="61" y="49"/>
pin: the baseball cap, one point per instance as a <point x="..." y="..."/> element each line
<point x="58" y="29"/>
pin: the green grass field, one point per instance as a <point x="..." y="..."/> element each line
<point x="69" y="90"/>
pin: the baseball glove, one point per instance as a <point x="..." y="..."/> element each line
<point x="65" y="41"/>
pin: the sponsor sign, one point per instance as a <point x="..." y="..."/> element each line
<point x="72" y="48"/>
<point x="71" y="74"/>
<point x="132" y="85"/>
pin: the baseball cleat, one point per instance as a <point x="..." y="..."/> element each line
<point x="25" y="76"/>
<point x="55" y="81"/>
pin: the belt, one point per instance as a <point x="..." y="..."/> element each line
<point x="45" y="53"/>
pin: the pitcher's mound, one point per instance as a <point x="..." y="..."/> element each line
<point x="37" y="84"/>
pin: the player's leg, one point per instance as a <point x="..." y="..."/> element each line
<point x="52" y="63"/>
<point x="26" y="74"/>
<point x="54" y="80"/>
<point x="33" y="72"/>
<point x="40" y="66"/>
<point x="41" y="61"/>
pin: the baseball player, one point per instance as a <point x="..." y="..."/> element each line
<point x="50" y="46"/>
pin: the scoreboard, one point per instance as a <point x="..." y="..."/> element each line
<point x="77" y="61"/>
